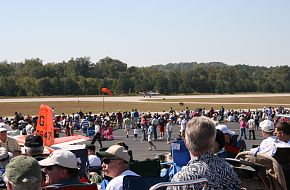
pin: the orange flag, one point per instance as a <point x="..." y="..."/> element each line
<point x="45" y="126"/>
<point x="107" y="91"/>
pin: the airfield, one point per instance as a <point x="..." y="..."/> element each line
<point x="138" y="147"/>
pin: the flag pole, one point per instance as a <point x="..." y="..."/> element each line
<point x="103" y="103"/>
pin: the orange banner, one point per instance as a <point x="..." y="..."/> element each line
<point x="45" y="126"/>
<point x="106" y="90"/>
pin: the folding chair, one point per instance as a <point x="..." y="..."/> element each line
<point x="183" y="183"/>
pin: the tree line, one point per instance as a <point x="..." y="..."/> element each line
<point x="79" y="76"/>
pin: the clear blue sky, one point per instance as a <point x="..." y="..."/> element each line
<point x="148" y="32"/>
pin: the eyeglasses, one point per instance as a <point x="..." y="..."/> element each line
<point x="108" y="160"/>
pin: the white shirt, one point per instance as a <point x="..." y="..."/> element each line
<point x="269" y="146"/>
<point x="169" y="126"/>
<point x="97" y="128"/>
<point x="183" y="125"/>
<point x="28" y="129"/>
<point x="135" y="131"/>
<point x="117" y="182"/>
<point x="251" y="124"/>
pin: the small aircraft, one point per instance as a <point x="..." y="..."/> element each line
<point x="60" y="142"/>
<point x="46" y="129"/>
<point x="150" y="93"/>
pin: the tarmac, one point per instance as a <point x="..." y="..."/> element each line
<point x="139" y="148"/>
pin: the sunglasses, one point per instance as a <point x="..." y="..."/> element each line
<point x="108" y="160"/>
<point x="49" y="168"/>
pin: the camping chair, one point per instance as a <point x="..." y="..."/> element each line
<point x="282" y="157"/>
<point x="182" y="183"/>
<point x="180" y="157"/>
<point x="273" y="176"/>
<point x="142" y="183"/>
<point x="146" y="168"/>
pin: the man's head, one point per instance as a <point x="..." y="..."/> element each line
<point x="91" y="149"/>
<point x="267" y="128"/>
<point x="200" y="135"/>
<point x="3" y="134"/>
<point x="23" y="172"/>
<point x="227" y="132"/>
<point x="115" y="160"/>
<point x="60" y="165"/>
<point x="33" y="145"/>
<point x="282" y="131"/>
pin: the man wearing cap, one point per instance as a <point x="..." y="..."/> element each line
<point x="270" y="143"/>
<point x="116" y="165"/>
<point x="9" y="143"/>
<point x="231" y="146"/>
<point x="23" y="172"/>
<point x="61" y="170"/>
<point x="34" y="146"/>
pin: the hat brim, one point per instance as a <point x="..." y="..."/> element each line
<point x="105" y="155"/>
<point x="230" y="132"/>
<point x="46" y="162"/>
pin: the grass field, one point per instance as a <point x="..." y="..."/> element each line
<point x="31" y="108"/>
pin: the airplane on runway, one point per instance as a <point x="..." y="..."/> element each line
<point x="150" y="93"/>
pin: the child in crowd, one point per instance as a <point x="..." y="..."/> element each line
<point x="150" y="137"/>
<point x="135" y="133"/>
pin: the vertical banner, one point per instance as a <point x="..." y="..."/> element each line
<point x="45" y="126"/>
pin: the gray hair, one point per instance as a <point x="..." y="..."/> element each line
<point x="200" y="134"/>
<point x="31" y="183"/>
<point x="33" y="151"/>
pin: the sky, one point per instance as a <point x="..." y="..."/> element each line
<point x="149" y="32"/>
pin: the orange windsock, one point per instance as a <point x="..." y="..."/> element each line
<point x="106" y="90"/>
<point x="45" y="126"/>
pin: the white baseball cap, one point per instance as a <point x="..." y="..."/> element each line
<point x="115" y="151"/>
<point x="267" y="126"/>
<point x="64" y="158"/>
<point x="225" y="129"/>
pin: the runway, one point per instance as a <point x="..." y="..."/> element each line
<point x="135" y="98"/>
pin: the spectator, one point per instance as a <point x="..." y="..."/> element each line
<point x="232" y="145"/>
<point x="199" y="138"/>
<point x="97" y="136"/>
<point x="219" y="143"/>
<point x="34" y="147"/>
<point x="127" y="125"/>
<point x="169" y="127"/>
<point x="5" y="158"/>
<point x="150" y="135"/>
<point x="270" y="143"/>
<point x="243" y="126"/>
<point x="94" y="165"/>
<point x="23" y="172"/>
<point x="135" y="133"/>
<point x="282" y="131"/>
<point x="116" y="165"/>
<point x="9" y="143"/>
<point x="251" y="125"/>
<point x="61" y="170"/>
<point x="94" y="160"/>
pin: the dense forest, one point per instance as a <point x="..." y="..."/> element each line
<point x="80" y="76"/>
